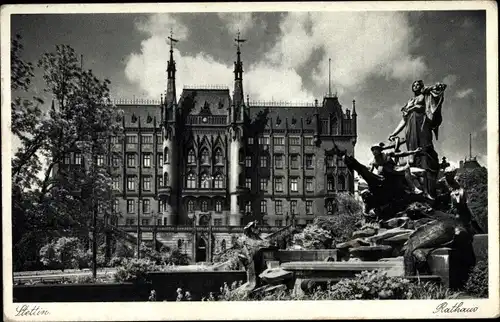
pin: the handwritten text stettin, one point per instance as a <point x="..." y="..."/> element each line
<point x="24" y="310"/>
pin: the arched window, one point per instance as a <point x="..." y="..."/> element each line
<point x="205" y="157"/>
<point x="329" y="207"/>
<point x="219" y="182"/>
<point x="241" y="155"/>
<point x="204" y="205"/>
<point x="179" y="243"/>
<point x="191" y="157"/>
<point x="205" y="181"/>
<point x="165" y="180"/>
<point x="166" y="156"/>
<point x="218" y="156"/>
<point x="341" y="182"/>
<point x="191" y="181"/>
<point x="223" y="245"/>
<point x="190" y="206"/>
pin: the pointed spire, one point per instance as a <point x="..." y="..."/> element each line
<point x="170" y="95"/>
<point x="329" y="77"/>
<point x="238" y="97"/>
<point x="470" y="146"/>
<point x="354" y="108"/>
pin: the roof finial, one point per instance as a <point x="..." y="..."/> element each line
<point x="172" y="41"/>
<point x="239" y="40"/>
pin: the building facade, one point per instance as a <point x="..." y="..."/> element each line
<point x="212" y="158"/>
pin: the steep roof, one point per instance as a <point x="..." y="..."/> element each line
<point x="143" y="115"/>
<point x="210" y="101"/>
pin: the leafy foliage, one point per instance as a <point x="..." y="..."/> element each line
<point x="65" y="252"/>
<point x="325" y="231"/>
<point x="48" y="198"/>
<point x="135" y="270"/>
<point x="477" y="284"/>
<point x="364" y="286"/>
<point x="475" y="182"/>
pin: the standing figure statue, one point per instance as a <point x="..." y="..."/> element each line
<point x="422" y="117"/>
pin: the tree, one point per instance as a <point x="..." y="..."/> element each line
<point x="475" y="182"/>
<point x="81" y="119"/>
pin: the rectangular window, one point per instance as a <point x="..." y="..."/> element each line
<point x="278" y="161"/>
<point x="309" y="184"/>
<point x="146" y="183"/>
<point x="159" y="141"/>
<point x="329" y="161"/>
<point x="130" y="206"/>
<point x="146" y="205"/>
<point x="115" y="159"/>
<point x="116" y="183"/>
<point x="78" y="158"/>
<point x="294" y="161"/>
<point x="263" y="207"/>
<point x="131" y="139"/>
<point x="294" y="140"/>
<point x="248" y="161"/>
<point x="131" y="183"/>
<point x="160" y="159"/>
<point x="308" y="141"/>
<point x="130" y="160"/>
<point x="158" y="222"/>
<point x="145" y="222"/>
<point x="250" y="141"/>
<point x="130" y="221"/>
<point x="218" y="222"/>
<point x="114" y="140"/>
<point x="147" y="139"/>
<point x="160" y="181"/>
<point x="278" y="223"/>
<point x="279" y="140"/>
<point x="116" y="206"/>
<point x="248" y="183"/>
<point x="248" y="207"/>
<point x="309" y="207"/>
<point x="161" y="205"/>
<point x="263" y="184"/>
<point x="278" y="207"/>
<point x="100" y="160"/>
<point x="264" y="140"/>
<point x="278" y="184"/>
<point x="263" y="161"/>
<point x="67" y="158"/>
<point x="218" y="206"/>
<point x="309" y="161"/>
<point x="294" y="186"/>
<point x="293" y="207"/>
<point x="146" y="160"/>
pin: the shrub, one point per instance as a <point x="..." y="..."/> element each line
<point x="475" y="182"/>
<point x="477" y="283"/>
<point x="430" y="291"/>
<point x="135" y="270"/>
<point x="65" y="252"/>
<point x="313" y="237"/>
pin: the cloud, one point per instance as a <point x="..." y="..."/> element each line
<point x="236" y="21"/>
<point x="382" y="49"/>
<point x="147" y="69"/>
<point x="464" y="93"/>
<point x="450" y="80"/>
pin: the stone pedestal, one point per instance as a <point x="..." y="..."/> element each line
<point x="450" y="265"/>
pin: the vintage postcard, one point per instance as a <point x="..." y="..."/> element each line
<point x="228" y="161"/>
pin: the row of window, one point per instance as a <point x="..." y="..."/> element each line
<point x="280" y="140"/>
<point x="205" y="156"/>
<point x="205" y="181"/>
<point x="278" y="207"/>
<point x="294" y="161"/>
<point x="294" y="184"/>
<point x="132" y="139"/>
<point x="203" y="206"/>
<point x="216" y="222"/>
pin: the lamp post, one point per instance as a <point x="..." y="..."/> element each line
<point x="139" y="228"/>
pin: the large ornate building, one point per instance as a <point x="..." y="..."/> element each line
<point x="210" y="158"/>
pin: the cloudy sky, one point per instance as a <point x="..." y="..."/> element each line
<point x="375" y="57"/>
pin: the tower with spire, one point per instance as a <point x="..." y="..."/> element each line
<point x="236" y="136"/>
<point x="170" y="147"/>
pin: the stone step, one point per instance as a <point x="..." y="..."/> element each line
<point x="342" y="269"/>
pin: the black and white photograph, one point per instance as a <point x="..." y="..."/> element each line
<point x="300" y="160"/>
